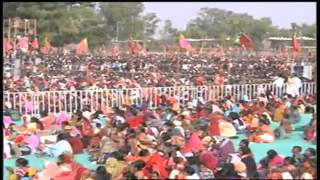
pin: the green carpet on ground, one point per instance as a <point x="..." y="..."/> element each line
<point x="282" y="146"/>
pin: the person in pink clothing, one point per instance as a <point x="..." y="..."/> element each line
<point x="62" y="117"/>
<point x="48" y="120"/>
<point x="32" y="140"/>
<point x="274" y="159"/>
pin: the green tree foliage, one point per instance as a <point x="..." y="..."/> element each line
<point x="221" y="24"/>
<point x="169" y="33"/>
<point x="70" y="22"/>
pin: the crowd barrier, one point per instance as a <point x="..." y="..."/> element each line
<point x="69" y="101"/>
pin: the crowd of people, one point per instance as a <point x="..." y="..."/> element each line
<point x="174" y="140"/>
<point x="191" y="141"/>
<point x="67" y="72"/>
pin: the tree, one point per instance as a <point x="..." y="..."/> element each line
<point x="150" y="24"/>
<point x="126" y="15"/>
<point x="221" y="24"/>
<point x="60" y="22"/>
<point x="169" y="32"/>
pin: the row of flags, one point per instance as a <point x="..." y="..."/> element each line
<point x="241" y="39"/>
<point x="23" y="45"/>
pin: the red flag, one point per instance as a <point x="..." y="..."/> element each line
<point x="82" y="47"/>
<point x="23" y="44"/>
<point x="47" y="47"/>
<point x="35" y="44"/>
<point x="247" y="41"/>
<point x="295" y="47"/>
<point x="7" y="45"/>
<point x="132" y="46"/>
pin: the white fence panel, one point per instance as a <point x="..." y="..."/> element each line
<point x="69" y="101"/>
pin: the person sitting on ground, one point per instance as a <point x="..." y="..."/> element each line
<point x="310" y="134"/>
<point x="285" y="128"/>
<point x="190" y="173"/>
<point x="301" y="106"/>
<point x="310" y="153"/>
<point x="263" y="134"/>
<point x="294" y="115"/>
<point x="102" y="174"/>
<point x="23" y="170"/>
<point x="296" y="155"/>
<point x="289" y="165"/>
<point x="279" y="113"/>
<point x="246" y="157"/>
<point x="309" y="170"/>
<point x="274" y="159"/>
<point x="61" y="145"/>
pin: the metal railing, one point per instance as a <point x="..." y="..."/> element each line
<point x="69" y="101"/>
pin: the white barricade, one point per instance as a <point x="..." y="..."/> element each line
<point x="69" y="101"/>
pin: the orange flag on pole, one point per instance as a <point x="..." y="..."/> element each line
<point x="295" y="47"/>
<point x="7" y="45"/>
<point x="132" y="46"/>
<point x="35" y="44"/>
<point x="23" y="44"/>
<point x="47" y="47"/>
<point x="82" y="47"/>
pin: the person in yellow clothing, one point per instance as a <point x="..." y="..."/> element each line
<point x="279" y="113"/>
<point x="116" y="164"/>
<point x="23" y="170"/>
<point x="301" y="106"/>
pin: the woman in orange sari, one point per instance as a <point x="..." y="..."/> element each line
<point x="263" y="134"/>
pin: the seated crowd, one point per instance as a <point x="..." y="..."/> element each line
<point x="173" y="141"/>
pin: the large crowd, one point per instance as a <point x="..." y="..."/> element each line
<point x="65" y="72"/>
<point x="176" y="140"/>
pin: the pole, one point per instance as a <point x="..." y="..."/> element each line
<point x="9" y="30"/>
<point x="15" y="37"/>
<point x="25" y="26"/>
<point x="117" y="30"/>
<point x="35" y="28"/>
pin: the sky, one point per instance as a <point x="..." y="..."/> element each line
<point x="282" y="14"/>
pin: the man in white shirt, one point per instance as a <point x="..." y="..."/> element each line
<point x="62" y="145"/>
<point x="297" y="85"/>
<point x="190" y="173"/>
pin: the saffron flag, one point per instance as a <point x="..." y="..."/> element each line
<point x="295" y="47"/>
<point x="47" y="47"/>
<point x="35" y="44"/>
<point x="185" y="44"/>
<point x="23" y="44"/>
<point x="132" y="46"/>
<point x="7" y="45"/>
<point x="82" y="47"/>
